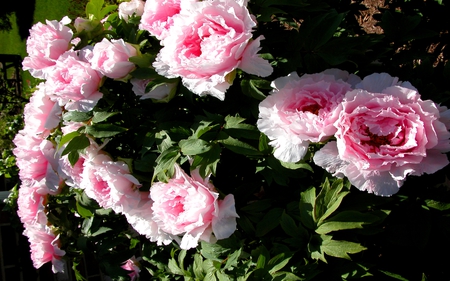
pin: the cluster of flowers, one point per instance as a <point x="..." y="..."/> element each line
<point x="204" y="43"/>
<point x="378" y="129"/>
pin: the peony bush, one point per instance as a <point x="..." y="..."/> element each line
<point x="185" y="139"/>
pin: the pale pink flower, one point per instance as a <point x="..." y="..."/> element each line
<point x="111" y="58"/>
<point x="109" y="183"/>
<point x="30" y="203"/>
<point x="74" y="84"/>
<point x="158" y="92"/>
<point x="44" y="247"/>
<point x="207" y="42"/>
<point x="132" y="265"/>
<point x="41" y="114"/>
<point x="189" y="206"/>
<point x="133" y="7"/>
<point x="386" y="132"/>
<point x="36" y="160"/>
<point x="301" y="110"/>
<point x="45" y="44"/>
<point x="157" y="17"/>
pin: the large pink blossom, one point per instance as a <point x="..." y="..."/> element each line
<point x="111" y="58"/>
<point x="189" y="206"/>
<point x="157" y="17"/>
<point x="386" y="132"/>
<point x="36" y="160"/>
<point x="207" y="42"/>
<point x="41" y="114"/>
<point x="140" y="218"/>
<point x="45" y="44"/>
<point x="73" y="83"/>
<point x="301" y="110"/>
<point x="30" y="203"/>
<point x="44" y="247"/>
<point x="109" y="183"/>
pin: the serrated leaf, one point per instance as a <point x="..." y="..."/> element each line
<point x="207" y="162"/>
<point x="197" y="266"/>
<point x="340" y="249"/>
<point x="329" y="199"/>
<point x="307" y="203"/>
<point x="102" y="116"/>
<point x="295" y="166"/>
<point x="232" y="259"/>
<point x="194" y="146"/>
<point x="173" y="267"/>
<point x="164" y="169"/>
<point x="238" y="146"/>
<point x="104" y="130"/>
<point x="346" y="220"/>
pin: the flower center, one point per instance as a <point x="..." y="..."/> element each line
<point x="313" y="108"/>
<point x="375" y="140"/>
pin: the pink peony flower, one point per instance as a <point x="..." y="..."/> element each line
<point x="139" y="218"/>
<point x="36" y="161"/>
<point x="111" y="58"/>
<point x="132" y="265"/>
<point x="133" y="7"/>
<point x="30" y="203"/>
<point x="385" y="132"/>
<point x="74" y="84"/>
<point x="207" y="42"/>
<point x="109" y="183"/>
<point x="41" y="115"/>
<point x="301" y="110"/>
<point x="159" y="92"/>
<point x="45" y="44"/>
<point x="158" y="15"/>
<point x="189" y="206"/>
<point x="44" y="247"/>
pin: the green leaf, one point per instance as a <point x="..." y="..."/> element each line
<point x="76" y="143"/>
<point x="438" y="205"/>
<point x="238" y="146"/>
<point x="197" y="266"/>
<point x="101" y="230"/>
<point x="77" y="116"/>
<point x="277" y="263"/>
<point x="295" y="166"/>
<point x="249" y="88"/>
<point x="207" y="162"/>
<point x="329" y="199"/>
<point x="307" y="203"/>
<point x="173" y="267"/>
<point x="320" y="29"/>
<point x="104" y="130"/>
<point x="144" y="73"/>
<point x="143" y="61"/>
<point x="68" y="137"/>
<point x="165" y="162"/>
<point x="84" y="212"/>
<point x="237" y="129"/>
<point x="102" y="116"/>
<point x="94" y="7"/>
<point x="346" y="220"/>
<point x="232" y="259"/>
<point x="340" y="249"/>
<point x="393" y="275"/>
<point x="269" y="222"/>
<point x="194" y="146"/>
